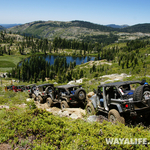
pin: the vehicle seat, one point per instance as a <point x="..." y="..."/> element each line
<point x="102" y="102"/>
<point x="73" y="92"/>
<point x="129" y="92"/>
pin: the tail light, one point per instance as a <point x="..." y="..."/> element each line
<point x="70" y="98"/>
<point x="126" y="105"/>
<point x="134" y="117"/>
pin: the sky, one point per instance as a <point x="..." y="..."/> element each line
<point x="102" y="12"/>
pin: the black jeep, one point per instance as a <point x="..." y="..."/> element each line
<point x="66" y="95"/>
<point x="40" y="92"/>
<point x="121" y="101"/>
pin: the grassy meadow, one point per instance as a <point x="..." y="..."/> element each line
<point x="7" y="62"/>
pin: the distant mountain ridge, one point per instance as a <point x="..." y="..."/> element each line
<point x="117" y="26"/>
<point x="9" y="25"/>
<point x="70" y="30"/>
<point x="1" y="28"/>
<point x="74" y="29"/>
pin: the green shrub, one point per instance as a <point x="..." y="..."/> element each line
<point x="13" y="97"/>
<point x="52" y="132"/>
<point x="96" y="74"/>
<point x="31" y="104"/>
<point x="9" y="94"/>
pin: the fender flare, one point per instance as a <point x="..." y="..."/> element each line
<point x="117" y="106"/>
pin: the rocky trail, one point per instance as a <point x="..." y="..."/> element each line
<point x="74" y="113"/>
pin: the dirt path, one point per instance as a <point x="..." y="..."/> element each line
<point x="74" y="113"/>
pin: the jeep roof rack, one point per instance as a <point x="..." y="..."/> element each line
<point x="47" y="84"/>
<point x="120" y="83"/>
<point x="67" y="86"/>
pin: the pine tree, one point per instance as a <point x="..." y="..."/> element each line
<point x="43" y="75"/>
<point x="81" y="73"/>
<point x="50" y="48"/>
<point x="136" y="61"/>
<point x="9" y="51"/>
<point x="98" y="56"/>
<point x="51" y="75"/>
<point x="80" y="52"/>
<point x="127" y="63"/>
<point x="35" y="77"/>
<point x="69" y="77"/>
<point x="19" y="74"/>
<point x="31" y="80"/>
<point x="64" y="77"/>
<point x="84" y="51"/>
<point x="94" y="68"/>
<point x="122" y="64"/>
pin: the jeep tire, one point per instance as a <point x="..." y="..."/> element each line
<point x="49" y="102"/>
<point x="40" y="99"/>
<point x="48" y="88"/>
<point x="64" y="104"/>
<point x="90" y="109"/>
<point x="33" y="96"/>
<point x="30" y="95"/>
<point x="122" y="120"/>
<point x="114" y="116"/>
<point x="80" y="94"/>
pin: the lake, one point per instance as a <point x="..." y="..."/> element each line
<point x="79" y="60"/>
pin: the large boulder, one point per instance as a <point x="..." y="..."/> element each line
<point x="90" y="94"/>
<point x="75" y="111"/>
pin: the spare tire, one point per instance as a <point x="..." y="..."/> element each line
<point x="141" y="93"/>
<point x="49" y="89"/>
<point x="80" y="94"/>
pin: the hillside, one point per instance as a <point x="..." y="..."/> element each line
<point x="1" y="28"/>
<point x="144" y="28"/>
<point x="68" y="30"/>
<point x="80" y="30"/>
